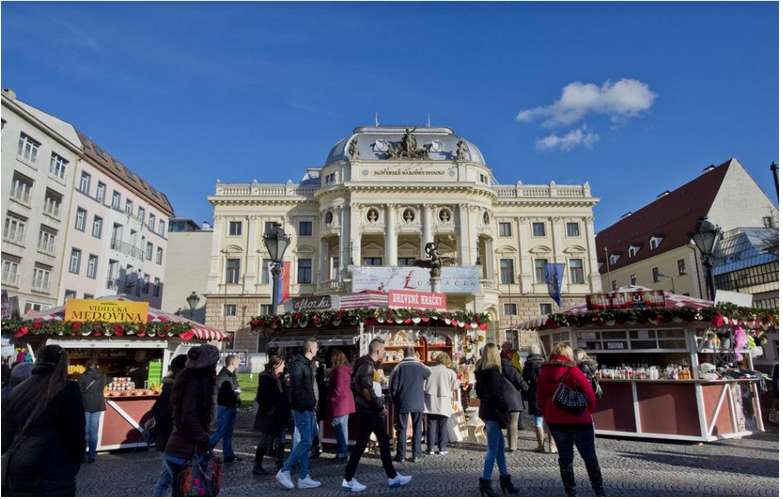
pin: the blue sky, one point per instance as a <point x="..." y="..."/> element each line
<point x="635" y="98"/>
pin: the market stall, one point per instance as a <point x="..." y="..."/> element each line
<point x="351" y="322"/>
<point x="671" y="366"/>
<point x="113" y="331"/>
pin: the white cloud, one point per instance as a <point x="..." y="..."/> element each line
<point x="621" y="100"/>
<point x="581" y="136"/>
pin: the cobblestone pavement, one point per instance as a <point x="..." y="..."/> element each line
<point x="746" y="467"/>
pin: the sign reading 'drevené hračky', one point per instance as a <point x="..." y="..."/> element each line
<point x="416" y="299"/>
<point x="106" y="311"/>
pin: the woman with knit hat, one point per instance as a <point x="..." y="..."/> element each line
<point x="192" y="406"/>
<point x="530" y="373"/>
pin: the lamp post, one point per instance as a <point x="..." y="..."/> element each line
<point x="192" y="300"/>
<point x="276" y="242"/>
<point x="668" y="277"/>
<point x="705" y="236"/>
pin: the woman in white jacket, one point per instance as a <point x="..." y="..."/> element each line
<point x="439" y="397"/>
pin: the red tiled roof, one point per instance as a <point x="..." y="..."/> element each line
<point x="125" y="175"/>
<point x="670" y="216"/>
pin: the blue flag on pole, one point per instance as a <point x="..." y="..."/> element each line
<point x="554" y="280"/>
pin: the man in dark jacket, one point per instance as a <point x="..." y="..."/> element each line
<point x="530" y="373"/>
<point x="91" y="383"/>
<point x="227" y="402"/>
<point x="303" y="402"/>
<point x="164" y="423"/>
<point x="515" y="385"/>
<point x="371" y="411"/>
<point x="406" y="386"/>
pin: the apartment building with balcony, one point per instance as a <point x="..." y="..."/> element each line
<point x="117" y="238"/>
<point x="39" y="157"/>
<point x="382" y="195"/>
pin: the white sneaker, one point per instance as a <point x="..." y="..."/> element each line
<point x="307" y="483"/>
<point x="284" y="477"/>
<point x="399" y="480"/>
<point x="443" y="452"/>
<point x="353" y="485"/>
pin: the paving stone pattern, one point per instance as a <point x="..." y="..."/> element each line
<point x="747" y="467"/>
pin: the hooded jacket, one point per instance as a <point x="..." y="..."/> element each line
<point x="274" y="411"/>
<point x="303" y="384"/>
<point x="161" y="411"/>
<point x="549" y="379"/>
<point x="227" y="383"/>
<point x="530" y="373"/>
<point x="340" y="395"/>
<point x="513" y="392"/>
<point x="91" y="383"/>
<point x="406" y="385"/>
<point x="489" y="388"/>
<point x="367" y="386"/>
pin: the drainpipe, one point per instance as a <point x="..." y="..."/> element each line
<point x="698" y="278"/>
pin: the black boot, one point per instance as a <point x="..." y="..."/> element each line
<point x="258" y="467"/>
<point x="506" y="486"/>
<point x="569" y="482"/>
<point x="596" y="480"/>
<point x="485" y="487"/>
<point x="279" y="454"/>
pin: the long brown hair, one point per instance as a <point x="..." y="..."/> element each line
<point x="338" y="359"/>
<point x="57" y="357"/>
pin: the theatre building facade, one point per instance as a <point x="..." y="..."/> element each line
<point x="362" y="221"/>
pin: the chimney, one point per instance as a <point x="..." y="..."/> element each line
<point x="7" y="92"/>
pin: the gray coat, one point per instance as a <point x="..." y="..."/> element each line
<point x="406" y="385"/>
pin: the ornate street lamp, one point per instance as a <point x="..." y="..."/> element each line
<point x="193" y="300"/>
<point x="276" y="242"/>
<point x="705" y="236"/>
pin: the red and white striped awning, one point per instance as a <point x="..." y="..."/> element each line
<point x="364" y="299"/>
<point x="199" y="331"/>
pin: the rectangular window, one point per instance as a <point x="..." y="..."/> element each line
<point x="506" y="271"/>
<point x="128" y="207"/>
<point x="20" y="188"/>
<point x="335" y="268"/>
<point x="152" y="222"/>
<point x="159" y="256"/>
<point x="141" y="214"/>
<point x="76" y="261"/>
<point x="577" y="271"/>
<point x="572" y="229"/>
<point x="28" y="148"/>
<point x="232" y="271"/>
<point x="266" y="272"/>
<point x="84" y="183"/>
<point x="405" y="262"/>
<point x="264" y="310"/>
<point x="305" y="228"/>
<point x="92" y="266"/>
<point x="234" y="228"/>
<point x="539" y="229"/>
<point x="681" y="267"/>
<point x="58" y="166"/>
<point x="88" y="297"/>
<point x="614" y="284"/>
<point x="373" y="262"/>
<point x="13" y="230"/>
<point x="540" y="269"/>
<point x="504" y="229"/>
<point x="69" y="293"/>
<point x="161" y="228"/>
<point x="41" y="278"/>
<point x="305" y="271"/>
<point x="46" y="241"/>
<point x="655" y="274"/>
<point x="97" y="226"/>
<point x="10" y="273"/>
<point x="52" y="203"/>
<point x="633" y="279"/>
<point x="148" y="254"/>
<point x="544" y="308"/>
<point x="115" y="200"/>
<point x="145" y="284"/>
<point x="268" y="227"/>
<point x="81" y="217"/>
<point x="230" y="310"/>
<point x="100" y="192"/>
<point x="510" y="308"/>
<point x="156" y="287"/>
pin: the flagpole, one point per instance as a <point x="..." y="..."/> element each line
<point x="608" y="269"/>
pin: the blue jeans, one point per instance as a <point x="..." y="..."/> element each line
<point x="538" y="421"/>
<point x="295" y="438"/>
<point x="226" y="418"/>
<point x="300" y="453"/>
<point x="91" y="420"/>
<point x="496" y="450"/>
<point x="164" y="482"/>
<point x="340" y="426"/>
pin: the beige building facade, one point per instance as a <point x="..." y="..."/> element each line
<point x="369" y="212"/>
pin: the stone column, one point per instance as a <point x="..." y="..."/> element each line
<point x="250" y="257"/>
<point x="324" y="269"/>
<point x="355" y="239"/>
<point x="390" y="255"/>
<point x="464" y="236"/>
<point x="215" y="272"/>
<point x="426" y="228"/>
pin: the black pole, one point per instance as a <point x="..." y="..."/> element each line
<point x="708" y="262"/>
<point x="774" y="168"/>
<point x="275" y="285"/>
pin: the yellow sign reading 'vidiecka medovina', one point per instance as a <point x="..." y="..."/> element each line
<point x="106" y="311"/>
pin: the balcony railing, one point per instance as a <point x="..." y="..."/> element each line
<point x="128" y="249"/>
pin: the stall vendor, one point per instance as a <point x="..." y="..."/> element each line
<point x="140" y="371"/>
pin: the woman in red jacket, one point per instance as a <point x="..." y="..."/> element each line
<point x="569" y="429"/>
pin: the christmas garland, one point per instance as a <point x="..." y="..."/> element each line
<point x="719" y="315"/>
<point x="19" y="328"/>
<point x="369" y="316"/>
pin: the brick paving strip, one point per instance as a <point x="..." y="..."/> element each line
<point x="747" y="467"/>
